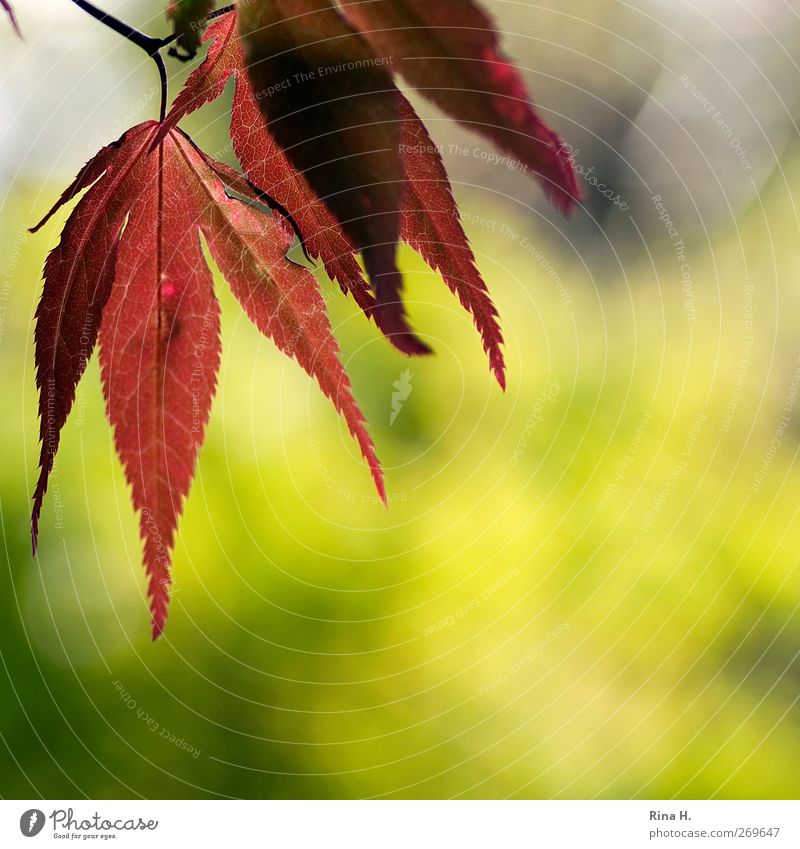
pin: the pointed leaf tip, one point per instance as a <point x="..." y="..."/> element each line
<point x="158" y="593"/>
<point x="389" y="311"/>
<point x="431" y="224"/>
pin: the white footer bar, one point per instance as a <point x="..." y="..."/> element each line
<point x="402" y="824"/>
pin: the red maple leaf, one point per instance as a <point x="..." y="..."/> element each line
<point x="450" y="52"/>
<point x="130" y="265"/>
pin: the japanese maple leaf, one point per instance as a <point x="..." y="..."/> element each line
<point x="429" y="219"/>
<point x="6" y="6"/>
<point x="130" y="271"/>
<point x="450" y="52"/>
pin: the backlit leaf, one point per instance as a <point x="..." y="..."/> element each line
<point x="450" y="51"/>
<point x="130" y="262"/>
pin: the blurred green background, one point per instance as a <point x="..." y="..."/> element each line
<point x="586" y="587"/>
